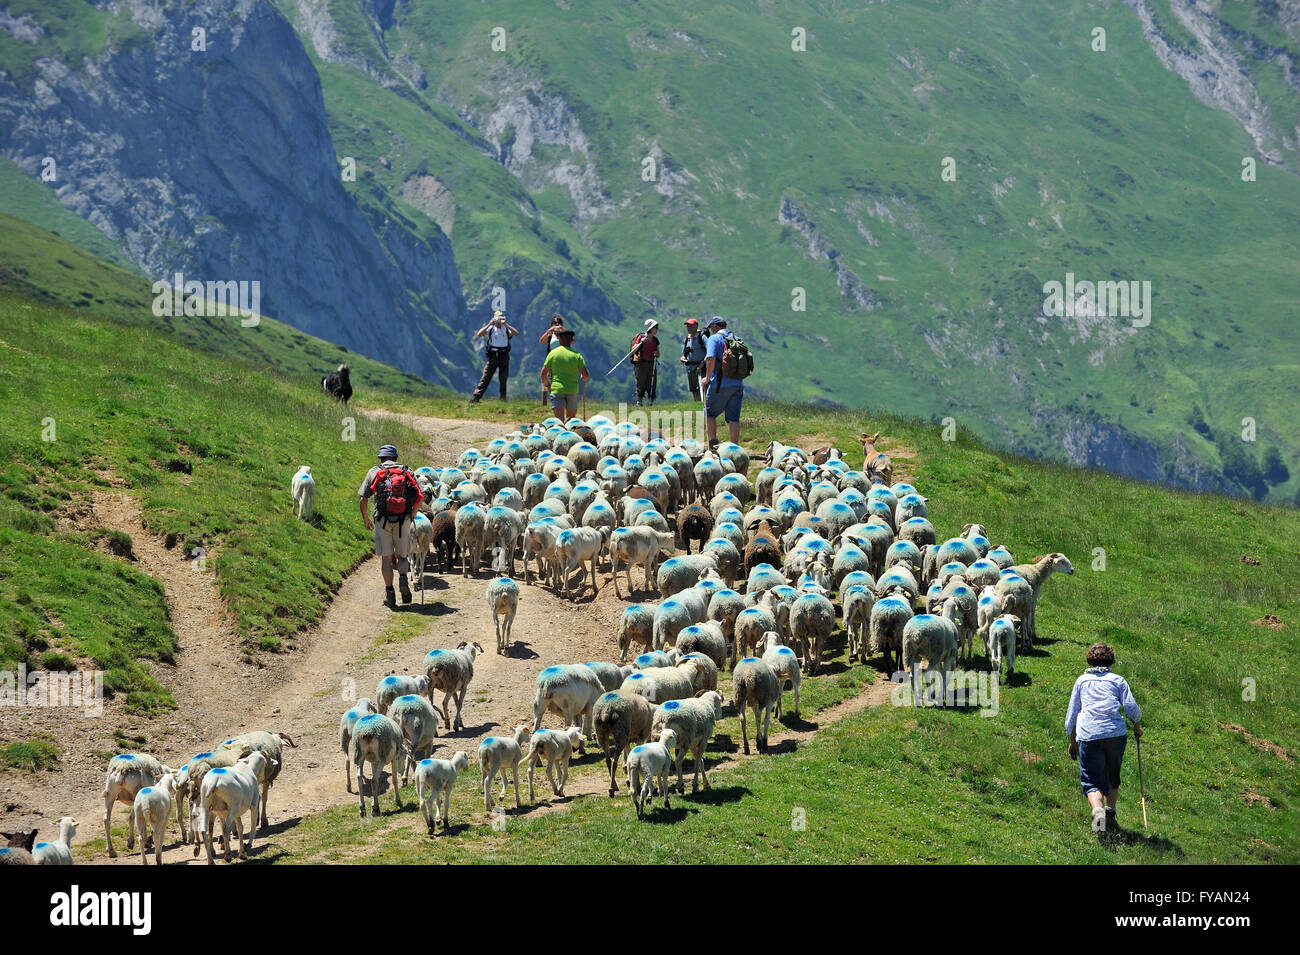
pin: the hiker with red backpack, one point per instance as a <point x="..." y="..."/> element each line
<point x="728" y="361"/>
<point x="645" y="361"/>
<point x="397" y="498"/>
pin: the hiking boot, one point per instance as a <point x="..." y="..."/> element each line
<point x="475" y="400"/>
<point x="1112" y="825"/>
<point x="1099" y="820"/>
<point x="405" y="589"/>
<point x="390" y="598"/>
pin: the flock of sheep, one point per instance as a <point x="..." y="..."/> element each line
<point x="754" y="594"/>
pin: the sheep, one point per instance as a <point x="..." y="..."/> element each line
<point x="982" y="573"/>
<point x="376" y="739"/>
<point x="451" y="672"/>
<point x="898" y="578"/>
<point x="188" y="780"/>
<point x="784" y="663"/>
<point x="128" y="773"/>
<point x="574" y="548"/>
<point x="421" y="545"/>
<point x="917" y="530"/>
<point x="703" y="671"/>
<point x="751" y="624"/>
<point x="724" y="607"/>
<point x="346" y="722"/>
<point x="764" y="483"/>
<point x="933" y="637"/>
<point x="1016" y="594"/>
<point x="693" y="721"/>
<point x="501" y="528"/>
<point x="762" y="548"/>
<point x="968" y="619"/>
<point x="496" y="754"/>
<point x="734" y="453"/>
<point x="395" y="685"/>
<point x="764" y="577"/>
<point x="59" y="852"/>
<point x="707" y="474"/>
<point x="987" y="609"/>
<point x="706" y="638"/>
<point x="621" y="720"/>
<point x="953" y="549"/>
<point x="678" y="573"/>
<point x="636" y="625"/>
<point x="539" y="542"/>
<point x="567" y="689"/>
<point x="470" y="520"/>
<point x="1035" y="574"/>
<point x="434" y="779"/>
<point x="754" y="684"/>
<point x="269" y="745"/>
<point x="648" y="762"/>
<point x="1000" y="556"/>
<point x="511" y="498"/>
<point x="857" y="602"/>
<point x="653" y="659"/>
<point x="419" y="724"/>
<point x="503" y="601"/>
<point x="601" y="515"/>
<point x="812" y="618"/>
<point x="557" y="747"/>
<point x="674" y="615"/>
<point x="729" y="560"/>
<point x="443" y="539"/>
<point x="658" y="684"/>
<point x="635" y="546"/>
<point x="850" y="558"/>
<point x="226" y="794"/>
<point x="1001" y="643"/>
<point x="303" y="491"/>
<point x="889" y="617"/>
<point x="152" y="808"/>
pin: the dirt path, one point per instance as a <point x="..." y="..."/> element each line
<point x="302" y="693"/>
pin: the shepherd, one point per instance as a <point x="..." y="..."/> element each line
<point x="397" y="497"/>
<point x="1095" y="722"/>
<point x="645" y="362"/>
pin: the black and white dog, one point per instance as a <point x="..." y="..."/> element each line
<point x="336" y="383"/>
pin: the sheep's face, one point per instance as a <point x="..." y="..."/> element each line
<point x="1061" y="564"/>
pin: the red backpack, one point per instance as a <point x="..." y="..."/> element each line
<point x="397" y="494"/>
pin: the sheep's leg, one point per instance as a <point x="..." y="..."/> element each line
<point x="266" y="794"/>
<point x="518" y="805"/>
<point x="361" y="785"/>
<point x="744" y="732"/>
<point x="532" y="764"/>
<point x="663" y="784"/>
<point x="110" y="797"/>
<point x="558" y="790"/>
<point x="487" y="791"/>
<point x="697" y="757"/>
<point x="397" y="786"/>
<point x="159" y="832"/>
<point x="209" y="823"/>
<point x="130" y="832"/>
<point x="796" y="681"/>
<point x="767" y="727"/>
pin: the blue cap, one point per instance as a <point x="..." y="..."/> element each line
<point x="388" y="452"/>
<point x="717" y="320"/>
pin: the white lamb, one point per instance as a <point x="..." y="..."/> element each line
<point x="503" y="600"/>
<point x="59" y="852"/>
<point x="574" y="549"/>
<point x="303" y="489"/>
<point x="647" y="763"/>
<point x="434" y="779"/>
<point x="152" y="808"/>
<point x="496" y="754"/>
<point x="557" y="747"/>
<point x="226" y="794"/>
<point x="785" y="664"/>
<point x="346" y="722"/>
<point x="128" y="773"/>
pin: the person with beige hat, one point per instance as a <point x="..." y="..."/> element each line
<point x="498" y="332"/>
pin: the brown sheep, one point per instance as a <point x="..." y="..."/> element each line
<point x="762" y="548"/>
<point x="444" y="539"/>
<point x="694" y="522"/>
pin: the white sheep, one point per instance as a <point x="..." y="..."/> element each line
<point x="637" y="546"/>
<point x="226" y="794"/>
<point x="751" y="624"/>
<point x="636" y="625"/>
<point x="703" y="671"/>
<point x="1036" y="575"/>
<point x="785" y="664"/>
<point x="1002" y="642"/>
<point x="679" y="573"/>
<point x="152" y="808"/>
<point x="346" y="722"/>
<point x="470" y="530"/>
<point x="693" y="721"/>
<point x="557" y="747"/>
<point x="496" y="754"/>
<point x="376" y="740"/>
<point x="574" y="548"/>
<point x="649" y="762"/>
<point x="812" y="618"/>
<point x="857" y="602"/>
<point x="755" y="685"/>
<point x="503" y="601"/>
<point x="934" y="638"/>
<point x="303" y="490"/>
<point x="658" y="684"/>
<point x="502" y="527"/>
<point x="434" y="779"/>
<point x="451" y="671"/>
<point x="128" y="773"/>
<point x="59" y="852"/>
<point x="419" y="723"/>
<point x="395" y="685"/>
<point x="270" y="745"/>
<point x="568" y="689"/>
<point x="621" y="720"/>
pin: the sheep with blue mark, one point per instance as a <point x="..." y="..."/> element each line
<point x="737" y="455"/>
<point x="659" y="684"/>
<point x="346" y="722"/>
<point x="511" y="498"/>
<point x="754" y="685"/>
<point x="857" y="578"/>
<point x="819" y="492"/>
<point x="451" y="672"/>
<point x="270" y="745"/>
<point x="395" y="685"/>
<point x="496" y="754"/>
<point x="724" y="606"/>
<point x="751" y="624"/>
<point x="226" y="794"/>
<point x="470" y="531"/>
<point x="635" y="626"/>
<point x="703" y="671"/>
<point x="601" y="516"/>
<point x="645" y="764"/>
<point x="956" y="549"/>
<point x="706" y="638"/>
<point x="434" y="781"/>
<point x="584" y="456"/>
<point x="812" y="618"/>
<point x="496" y="477"/>
<point x="898" y="578"/>
<point x="909" y="506"/>
<point x="1001" y="556"/>
<point x="503" y="601"/>
<point x="580" y="498"/>
<point x="418" y="721"/>
<point x="728" y="559"/>
<point x="982" y="573"/>
<point x="857" y="601"/>
<point x="622" y="720"/>
<point x="568" y="689"/>
<point x="637" y="546"/>
<point x="1016" y="594"/>
<point x="849" y="559"/>
<point x="652" y="659"/>
<point x="764" y="577"/>
<point x="785" y="664"/>
<point x="502" y="528"/>
<point x="535" y="486"/>
<point x="128" y="773"/>
<point x="837" y="517"/>
<point x="919" y="531"/>
<point x="967" y="600"/>
<point x="377" y="740"/>
<point x="765" y="483"/>
<point x="1001" y="643"/>
<point x="693" y="721"/>
<point x="152" y="809"/>
<point x="610" y="675"/>
<point x="708" y="471"/>
<point x="59" y="852"/>
<point x="889" y="617"/>
<point x="724" y="502"/>
<point x="1036" y="575"/>
<point x="932" y="637"/>
<point x="677" y="613"/>
<point x="557" y="747"/>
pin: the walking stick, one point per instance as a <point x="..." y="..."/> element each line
<point x="623" y="359"/>
<point x="582" y="386"/>
<point x="1141" y="789"/>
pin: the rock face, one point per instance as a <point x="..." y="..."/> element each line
<point x="218" y="162"/>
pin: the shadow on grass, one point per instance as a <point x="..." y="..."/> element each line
<point x="719" y="795"/>
<point x="656" y="813"/>
<point x="1125" y="838"/>
<point x="284" y="825"/>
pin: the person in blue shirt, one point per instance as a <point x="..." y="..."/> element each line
<point x="722" y="395"/>
<point x="1095" y="722"/>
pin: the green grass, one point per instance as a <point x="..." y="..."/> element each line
<point x="30" y="755"/>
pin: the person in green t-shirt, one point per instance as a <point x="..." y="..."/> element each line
<point x="562" y="371"/>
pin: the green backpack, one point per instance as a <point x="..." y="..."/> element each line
<point x="737" y="360"/>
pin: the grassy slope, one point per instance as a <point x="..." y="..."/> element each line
<point x="900" y="785"/>
<point x="1143" y="178"/>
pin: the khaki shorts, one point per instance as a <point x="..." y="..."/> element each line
<point x="568" y="403"/>
<point x="390" y="543"/>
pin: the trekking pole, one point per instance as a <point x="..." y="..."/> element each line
<point x="623" y="359"/>
<point x="582" y="386"/>
<point x="1141" y="789"/>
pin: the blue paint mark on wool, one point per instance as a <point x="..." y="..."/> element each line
<point x="672" y="705"/>
<point x="146" y="791"/>
<point x="220" y="771"/>
<point x="637" y="749"/>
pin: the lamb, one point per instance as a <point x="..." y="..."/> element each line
<point x="753" y="684"/>
<point x="557" y="747"/>
<point x="934" y="638"/>
<point x="706" y="638"/>
<point x="703" y="671"/>
<point x="987" y="609"/>
<point x="395" y="685"/>
<point x="501" y="528"/>
<point x="645" y="764"/>
<point x="451" y="672"/>
<point x="496" y="754"/>
<point x="574" y="548"/>
<point x="785" y="664"/>
<point x="303" y="490"/>
<point x="376" y="739"/>
<point x="269" y="745"/>
<point x="568" y="689"/>
<point x="59" y="852"/>
<point x="1035" y="574"/>
<point x="419" y="724"/>
<point x="503" y="600"/>
<point x="539" y="541"/>
<point x="152" y="808"/>
<point x="678" y="573"/>
<point x="693" y="721"/>
<point x="434" y="779"/>
<point x="659" y="684"/>
<point x="621" y="720"/>
<point x="889" y="618"/>
<point x="636" y="625"/>
<point x="421" y="545"/>
<point x="226" y="794"/>
<point x="189" y="778"/>
<point x="470" y="529"/>
<point x="858" y="604"/>
<point x="1001" y="643"/>
<point x="751" y="624"/>
<point x="812" y="618"/>
<point x="128" y="773"/>
<point x="346" y="722"/>
<point x="635" y="546"/>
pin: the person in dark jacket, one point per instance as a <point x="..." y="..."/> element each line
<point x="498" y="332"/>
<point x="693" y="355"/>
